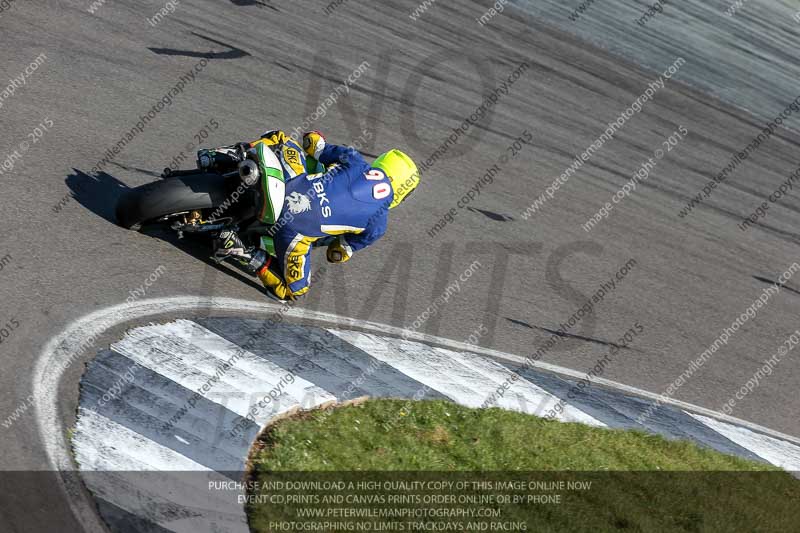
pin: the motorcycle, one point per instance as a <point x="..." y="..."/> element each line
<point x="198" y="203"/>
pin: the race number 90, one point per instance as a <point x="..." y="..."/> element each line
<point x="379" y="190"/>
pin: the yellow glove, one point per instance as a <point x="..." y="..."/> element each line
<point x="313" y="144"/>
<point x="339" y="251"/>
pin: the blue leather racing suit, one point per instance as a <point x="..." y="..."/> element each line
<point x="349" y="202"/>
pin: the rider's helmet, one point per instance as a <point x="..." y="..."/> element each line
<point x="402" y="173"/>
<point x="263" y="169"/>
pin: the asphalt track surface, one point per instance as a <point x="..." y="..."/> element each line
<point x="270" y="65"/>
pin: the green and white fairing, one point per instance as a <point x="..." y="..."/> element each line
<point x="272" y="184"/>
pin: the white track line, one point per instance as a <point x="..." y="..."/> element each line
<point x="66" y="347"/>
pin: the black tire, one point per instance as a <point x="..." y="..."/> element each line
<point x="150" y="202"/>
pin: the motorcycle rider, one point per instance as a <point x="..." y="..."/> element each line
<point x="322" y="192"/>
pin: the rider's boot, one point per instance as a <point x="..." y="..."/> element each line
<point x="228" y="245"/>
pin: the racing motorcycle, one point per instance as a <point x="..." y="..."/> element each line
<point x="198" y="203"/>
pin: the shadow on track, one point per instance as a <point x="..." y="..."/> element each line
<point x="100" y="194"/>
<point x="257" y="3"/>
<point x="233" y="53"/>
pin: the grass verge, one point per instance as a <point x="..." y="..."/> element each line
<point x="579" y="478"/>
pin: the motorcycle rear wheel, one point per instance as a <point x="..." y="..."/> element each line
<point x="148" y="203"/>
